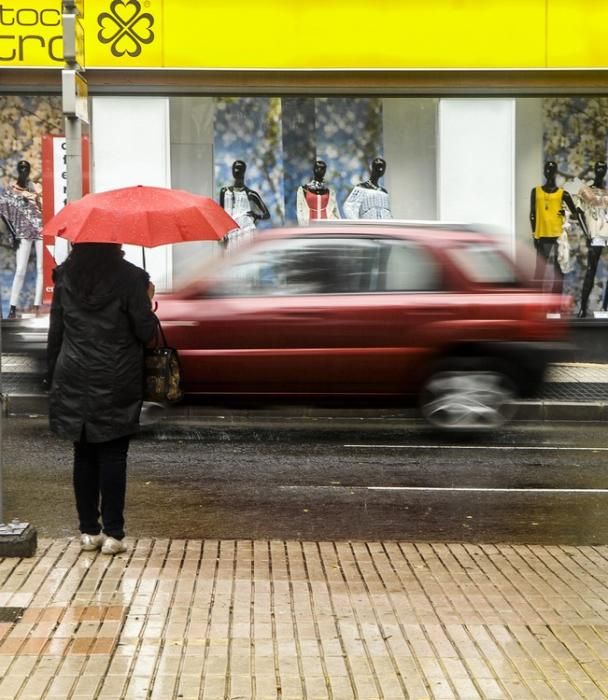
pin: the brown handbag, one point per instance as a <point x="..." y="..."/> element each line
<point x="161" y="370"/>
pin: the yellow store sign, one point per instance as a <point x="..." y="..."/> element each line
<point x="30" y="33"/>
<point x="337" y="34"/>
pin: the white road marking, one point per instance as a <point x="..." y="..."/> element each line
<point x="475" y="488"/>
<point x="483" y="489"/>
<point x="488" y="489"/>
<point x="482" y="447"/>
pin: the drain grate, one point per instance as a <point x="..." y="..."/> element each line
<point x="11" y="614"/>
<point x="575" y="391"/>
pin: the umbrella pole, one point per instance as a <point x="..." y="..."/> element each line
<point x="143" y="256"/>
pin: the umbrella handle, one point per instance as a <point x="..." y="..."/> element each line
<point x="143" y="256"/>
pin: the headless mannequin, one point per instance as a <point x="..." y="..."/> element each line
<point x="315" y="200"/>
<point x="546" y="218"/>
<point x="369" y="200"/>
<point x="595" y="201"/>
<point x="21" y="207"/>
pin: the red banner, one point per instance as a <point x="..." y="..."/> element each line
<point x="54" y="190"/>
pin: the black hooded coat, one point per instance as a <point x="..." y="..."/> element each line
<point x="95" y="354"/>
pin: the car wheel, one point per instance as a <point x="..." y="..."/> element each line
<point x="468" y="398"/>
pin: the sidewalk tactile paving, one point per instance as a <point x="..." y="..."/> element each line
<point x="583" y="382"/>
<point x="274" y="619"/>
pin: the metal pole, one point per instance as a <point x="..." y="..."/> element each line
<point x="73" y="158"/>
<point x="73" y="84"/>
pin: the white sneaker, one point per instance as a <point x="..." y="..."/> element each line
<point x="89" y="543"/>
<point x="113" y="546"/>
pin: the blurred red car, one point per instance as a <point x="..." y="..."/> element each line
<point x="384" y="310"/>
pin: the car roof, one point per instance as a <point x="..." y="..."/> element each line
<point x="427" y="231"/>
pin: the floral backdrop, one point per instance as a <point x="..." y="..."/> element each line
<point x="24" y="121"/>
<point x="576" y="137"/>
<point x="250" y="129"/>
<point x="299" y="148"/>
<point x="280" y="138"/>
<point x="349" y="137"/>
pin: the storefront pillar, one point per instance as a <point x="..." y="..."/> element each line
<point x="73" y="158"/>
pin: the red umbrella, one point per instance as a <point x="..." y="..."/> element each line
<point x="141" y="215"/>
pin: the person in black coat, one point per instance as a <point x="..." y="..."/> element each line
<point x="101" y="319"/>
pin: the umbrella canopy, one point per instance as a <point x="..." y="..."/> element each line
<point x="141" y="215"/>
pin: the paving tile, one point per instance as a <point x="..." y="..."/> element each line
<point x="33" y="645"/>
<point x="11" y="646"/>
<point x="317" y="620"/>
<point x="61" y="685"/>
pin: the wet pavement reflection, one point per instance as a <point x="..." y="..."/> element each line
<point x="331" y="478"/>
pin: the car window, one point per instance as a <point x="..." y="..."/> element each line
<point x="298" y="266"/>
<point x="484" y="264"/>
<point x="407" y="267"/>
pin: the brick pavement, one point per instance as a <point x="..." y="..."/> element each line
<point x="302" y="620"/>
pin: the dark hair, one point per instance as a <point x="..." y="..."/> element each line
<point x="89" y="263"/>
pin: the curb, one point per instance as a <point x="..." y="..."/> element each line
<point x="541" y="410"/>
<point x="584" y="411"/>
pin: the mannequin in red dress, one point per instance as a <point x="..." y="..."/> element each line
<point x="315" y="200"/>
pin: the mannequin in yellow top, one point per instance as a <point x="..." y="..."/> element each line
<point x="547" y="218"/>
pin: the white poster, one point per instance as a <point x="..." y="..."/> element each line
<point x="476" y="162"/>
<point x="60" y="251"/>
<point x="131" y="146"/>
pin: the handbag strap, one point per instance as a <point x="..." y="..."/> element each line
<point x="159" y="334"/>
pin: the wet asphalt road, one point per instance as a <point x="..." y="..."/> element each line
<point x="328" y="478"/>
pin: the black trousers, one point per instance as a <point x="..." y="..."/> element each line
<point x="100" y="485"/>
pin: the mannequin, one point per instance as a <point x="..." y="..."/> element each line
<point x="594" y="201"/>
<point x="369" y="200"/>
<point x="315" y="200"/>
<point x="547" y="218"/>
<point x="20" y="205"/>
<point x="245" y="206"/>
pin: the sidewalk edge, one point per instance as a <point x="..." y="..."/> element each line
<point x="541" y="410"/>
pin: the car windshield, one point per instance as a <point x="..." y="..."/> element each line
<point x="484" y="264"/>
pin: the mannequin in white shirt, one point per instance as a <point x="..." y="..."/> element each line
<point x="594" y="202"/>
<point x="369" y="200"/>
<point x="243" y="204"/>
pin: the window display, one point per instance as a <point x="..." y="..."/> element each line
<point x="25" y="119"/>
<point x="594" y="200"/>
<point x="21" y="206"/>
<point x="566" y="138"/>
